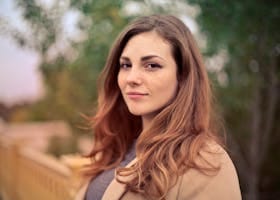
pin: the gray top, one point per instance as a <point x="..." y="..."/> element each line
<point x="99" y="184"/>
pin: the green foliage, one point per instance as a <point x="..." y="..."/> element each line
<point x="238" y="22"/>
<point x="69" y="92"/>
<point x="105" y="22"/>
<point x="45" y="24"/>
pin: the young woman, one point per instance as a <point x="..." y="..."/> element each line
<point x="154" y="135"/>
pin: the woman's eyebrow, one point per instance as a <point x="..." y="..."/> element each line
<point x="124" y="58"/>
<point x="144" y="58"/>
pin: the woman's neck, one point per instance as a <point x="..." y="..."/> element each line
<point x="146" y="122"/>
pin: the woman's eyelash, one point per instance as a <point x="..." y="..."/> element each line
<point x="147" y="66"/>
<point x="153" y="65"/>
<point x="125" y="65"/>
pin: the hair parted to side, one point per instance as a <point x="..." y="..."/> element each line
<point x="177" y="134"/>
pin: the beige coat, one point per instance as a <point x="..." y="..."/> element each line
<point x="193" y="185"/>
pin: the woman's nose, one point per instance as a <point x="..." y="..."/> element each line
<point x="134" y="76"/>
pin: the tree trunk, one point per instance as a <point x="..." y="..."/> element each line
<point x="254" y="146"/>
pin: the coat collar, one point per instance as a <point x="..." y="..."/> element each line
<point x="116" y="189"/>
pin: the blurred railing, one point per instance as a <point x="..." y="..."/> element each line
<point x="26" y="174"/>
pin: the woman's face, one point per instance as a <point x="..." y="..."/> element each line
<point x="147" y="76"/>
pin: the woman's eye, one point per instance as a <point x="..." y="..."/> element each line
<point x="125" y="65"/>
<point x="153" y="66"/>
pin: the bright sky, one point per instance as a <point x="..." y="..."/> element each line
<point x="19" y="76"/>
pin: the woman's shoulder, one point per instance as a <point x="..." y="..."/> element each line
<point x="217" y="178"/>
<point x="213" y="155"/>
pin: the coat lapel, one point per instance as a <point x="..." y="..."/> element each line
<point x="116" y="189"/>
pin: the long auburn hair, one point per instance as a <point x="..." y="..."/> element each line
<point x="172" y="143"/>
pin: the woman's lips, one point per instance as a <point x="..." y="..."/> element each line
<point x="136" y="95"/>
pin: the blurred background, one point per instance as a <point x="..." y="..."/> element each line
<point x="51" y="53"/>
